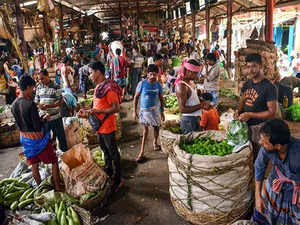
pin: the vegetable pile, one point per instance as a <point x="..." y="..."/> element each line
<point x="99" y="157"/>
<point x="175" y="129"/>
<point x="171" y="101"/>
<point x="204" y="146"/>
<point x="227" y="93"/>
<point x="237" y="133"/>
<point x="293" y="112"/>
<point x="86" y="102"/>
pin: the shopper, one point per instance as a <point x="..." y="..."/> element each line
<point x="48" y="98"/>
<point x="149" y="91"/>
<point x="106" y="103"/>
<point x="36" y="142"/>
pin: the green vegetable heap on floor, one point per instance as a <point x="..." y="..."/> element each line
<point x="208" y="147"/>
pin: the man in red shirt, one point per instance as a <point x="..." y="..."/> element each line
<point x="210" y="117"/>
<point x="106" y="102"/>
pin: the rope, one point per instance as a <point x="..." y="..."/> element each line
<point x="191" y="172"/>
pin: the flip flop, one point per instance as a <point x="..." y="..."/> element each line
<point x="141" y="159"/>
<point x="157" y="148"/>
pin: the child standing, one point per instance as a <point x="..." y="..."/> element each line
<point x="210" y="117"/>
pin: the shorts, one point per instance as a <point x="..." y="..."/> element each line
<point x="190" y="124"/>
<point x="47" y="156"/>
<point x="121" y="81"/>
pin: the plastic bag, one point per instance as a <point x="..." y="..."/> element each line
<point x="237" y="133"/>
<point x="225" y="119"/>
<point x="294" y="112"/>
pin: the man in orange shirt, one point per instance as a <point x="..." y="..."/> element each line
<point x="106" y="102"/>
<point x="210" y="116"/>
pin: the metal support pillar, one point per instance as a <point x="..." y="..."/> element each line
<point x="194" y="25"/>
<point x="269" y="20"/>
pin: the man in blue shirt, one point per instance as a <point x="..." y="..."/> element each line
<point x="149" y="91"/>
<point x="278" y="197"/>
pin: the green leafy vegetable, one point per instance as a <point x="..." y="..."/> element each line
<point x="294" y="112"/>
<point x="207" y="147"/>
<point x="171" y="101"/>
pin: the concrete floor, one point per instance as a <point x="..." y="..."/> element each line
<point x="144" y="198"/>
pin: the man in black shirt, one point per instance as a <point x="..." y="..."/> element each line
<point x="258" y="102"/>
<point x="37" y="145"/>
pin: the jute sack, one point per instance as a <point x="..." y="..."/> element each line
<point x="81" y="173"/>
<point x="210" y="190"/>
<point x="167" y="138"/>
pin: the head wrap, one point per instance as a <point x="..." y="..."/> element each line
<point x="188" y="66"/>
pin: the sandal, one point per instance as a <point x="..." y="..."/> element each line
<point x="141" y="159"/>
<point x="156" y="148"/>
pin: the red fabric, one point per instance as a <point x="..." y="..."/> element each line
<point x="42" y="60"/>
<point x="122" y="64"/>
<point x="47" y="156"/>
<point x="105" y="49"/>
<point x="106" y="102"/>
<point x="210" y="119"/>
<point x="108" y="85"/>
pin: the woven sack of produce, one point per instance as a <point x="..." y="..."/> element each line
<point x="72" y="132"/>
<point x="209" y="189"/>
<point x="119" y="127"/>
<point x="81" y="173"/>
<point x="168" y="134"/>
<point x="9" y="136"/>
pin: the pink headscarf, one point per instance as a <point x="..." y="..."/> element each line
<point x="188" y="66"/>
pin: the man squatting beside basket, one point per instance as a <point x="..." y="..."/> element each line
<point x="36" y="142"/>
<point x="188" y="101"/>
<point x="151" y="112"/>
<point x="106" y="101"/>
<point x="278" y="197"/>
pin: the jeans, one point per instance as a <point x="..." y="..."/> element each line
<point x="190" y="123"/>
<point x="57" y="128"/>
<point x="109" y="147"/>
<point x="136" y="77"/>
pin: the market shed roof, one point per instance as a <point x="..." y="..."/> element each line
<point x="110" y="11"/>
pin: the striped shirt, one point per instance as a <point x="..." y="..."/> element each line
<point x="48" y="95"/>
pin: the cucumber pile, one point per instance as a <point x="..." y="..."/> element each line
<point x="171" y="101"/>
<point x="204" y="146"/>
<point x="15" y="194"/>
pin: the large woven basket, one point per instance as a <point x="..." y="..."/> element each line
<point x="210" y="190"/>
<point x="212" y="219"/>
<point x="9" y="136"/>
<point x="167" y="138"/>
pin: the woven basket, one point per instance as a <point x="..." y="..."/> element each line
<point x="85" y="216"/>
<point x="119" y="127"/>
<point x="211" y="219"/>
<point x="9" y="136"/>
<point x="210" y="190"/>
<point x="167" y="138"/>
<point x="99" y="200"/>
<point x="92" y="137"/>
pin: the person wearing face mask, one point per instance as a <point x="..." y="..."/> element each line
<point x="188" y="101"/>
<point x="149" y="91"/>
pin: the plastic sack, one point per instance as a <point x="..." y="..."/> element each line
<point x="81" y="173"/>
<point x="115" y="45"/>
<point x="225" y="120"/>
<point x="294" y="112"/>
<point x="72" y="131"/>
<point x="237" y="133"/>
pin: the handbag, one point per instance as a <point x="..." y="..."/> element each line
<point x="95" y="122"/>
